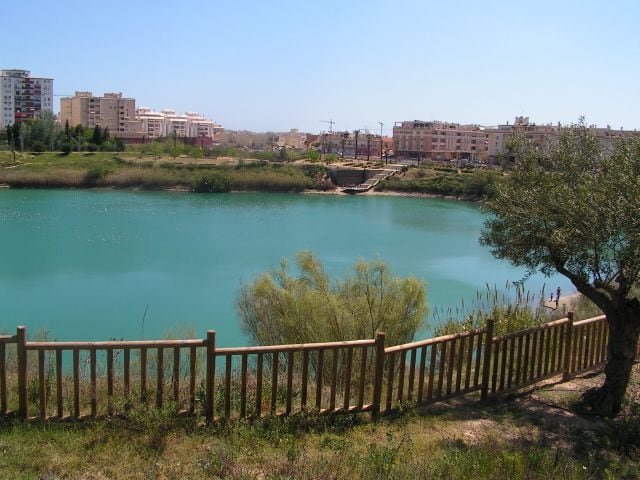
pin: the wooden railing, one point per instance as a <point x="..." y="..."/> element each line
<point x="79" y="379"/>
<point x="325" y="377"/>
<point x="120" y="371"/>
<point x="438" y="368"/>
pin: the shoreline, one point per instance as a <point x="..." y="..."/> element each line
<point x="393" y="193"/>
<point x="183" y="189"/>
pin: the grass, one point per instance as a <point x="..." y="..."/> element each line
<point x="104" y="169"/>
<point x="468" y="183"/>
<point x="461" y="439"/>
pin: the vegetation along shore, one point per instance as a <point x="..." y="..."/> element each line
<point x="185" y="172"/>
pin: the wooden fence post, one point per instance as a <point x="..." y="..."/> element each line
<point x="379" y="374"/>
<point x="486" y="365"/>
<point x="568" y="342"/>
<point x="210" y="375"/>
<point x="23" y="407"/>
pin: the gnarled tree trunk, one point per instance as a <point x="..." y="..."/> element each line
<point x="624" y="330"/>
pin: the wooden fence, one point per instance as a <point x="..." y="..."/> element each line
<point x="80" y="379"/>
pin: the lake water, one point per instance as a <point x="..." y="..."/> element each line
<point x="95" y="265"/>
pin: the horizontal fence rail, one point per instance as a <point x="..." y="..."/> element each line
<point x="74" y="380"/>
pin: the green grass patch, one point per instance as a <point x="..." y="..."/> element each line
<point x="154" y="444"/>
<point x="103" y="169"/>
<point x="446" y="181"/>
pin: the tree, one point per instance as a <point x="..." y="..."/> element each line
<point x="11" y="140"/>
<point x="78" y="136"/>
<point x="96" y="137"/>
<point x="573" y="208"/>
<point x="356" y="133"/>
<point x="43" y="129"/>
<point x="277" y="308"/>
<point x="343" y="141"/>
<point x="17" y="136"/>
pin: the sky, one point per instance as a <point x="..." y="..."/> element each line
<point x="282" y="64"/>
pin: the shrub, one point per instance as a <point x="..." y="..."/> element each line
<point x="277" y="308"/>
<point x="38" y="146"/>
<point x="94" y="175"/>
<point x="211" y="182"/>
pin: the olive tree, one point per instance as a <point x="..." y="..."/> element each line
<point x="280" y="308"/>
<point x="573" y="208"/>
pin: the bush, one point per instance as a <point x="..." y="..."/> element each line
<point x="277" y="308"/>
<point x="475" y="184"/>
<point x="94" y="175"/>
<point x="38" y="146"/>
<point x="211" y="182"/>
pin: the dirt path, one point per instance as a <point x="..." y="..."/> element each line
<point x="547" y="414"/>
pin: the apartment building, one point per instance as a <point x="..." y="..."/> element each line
<point x="23" y="96"/>
<point x="167" y="123"/>
<point x="292" y="139"/>
<point x="112" y="111"/>
<point x="419" y="140"/>
<point x="247" y="139"/>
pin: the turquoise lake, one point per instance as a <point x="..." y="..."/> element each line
<point x="87" y="265"/>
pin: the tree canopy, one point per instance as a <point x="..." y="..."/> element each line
<point x="573" y="208"/>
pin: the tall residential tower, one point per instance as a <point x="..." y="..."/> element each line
<point x="23" y="96"/>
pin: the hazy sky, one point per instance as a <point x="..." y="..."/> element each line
<point x="276" y="65"/>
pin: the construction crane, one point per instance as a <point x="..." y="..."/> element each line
<point x="330" y="122"/>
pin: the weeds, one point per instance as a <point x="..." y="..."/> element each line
<point x="512" y="309"/>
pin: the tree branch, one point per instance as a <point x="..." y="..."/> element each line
<point x="584" y="287"/>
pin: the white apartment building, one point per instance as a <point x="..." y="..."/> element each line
<point x="167" y="122"/>
<point x="23" y="96"/>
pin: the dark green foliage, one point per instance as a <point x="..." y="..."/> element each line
<point x="94" y="175"/>
<point x="96" y="137"/>
<point x="65" y="147"/>
<point x="211" y="182"/>
<point x="314" y="171"/>
<point x="38" y="146"/>
<point x="475" y="183"/>
<point x="313" y="155"/>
